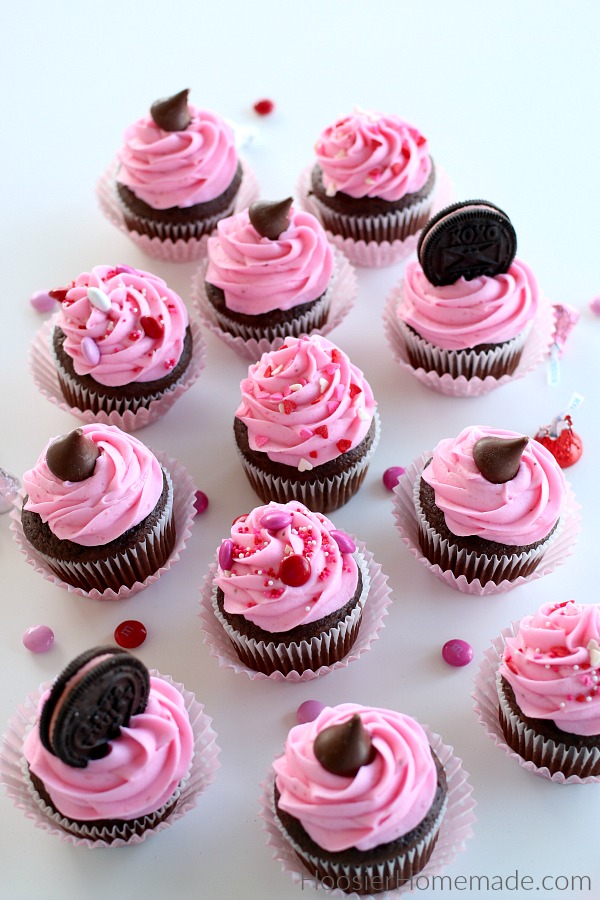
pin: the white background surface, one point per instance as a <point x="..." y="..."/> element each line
<point x="507" y="95"/>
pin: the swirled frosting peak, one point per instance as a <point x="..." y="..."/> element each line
<point x="305" y="403"/>
<point x="140" y="774"/>
<point x="518" y="512"/>
<point x="258" y="274"/>
<point x="178" y="168"/>
<point x="370" y="154"/>
<point x="485" y="310"/>
<point x="122" y="325"/>
<point x="553" y="666"/>
<point x="387" y="797"/>
<point x="255" y="584"/>
<point x="124" y="488"/>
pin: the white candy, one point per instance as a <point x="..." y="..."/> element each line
<point x="98" y="299"/>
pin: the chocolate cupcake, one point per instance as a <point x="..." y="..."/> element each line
<point x="374" y="178"/>
<point x="289" y="589"/>
<point x="269" y="272"/>
<point x="360" y="796"/>
<point x="122" y="340"/>
<point x="488" y="504"/>
<point x="549" y="706"/>
<point x="306" y="427"/>
<point x="178" y="171"/>
<point x="99" y="509"/>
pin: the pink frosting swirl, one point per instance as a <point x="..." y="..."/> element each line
<point x="258" y="274"/>
<point x="140" y="774"/>
<point x="253" y="588"/>
<point x="373" y="155"/>
<point x="553" y="666"/>
<point x="178" y="168"/>
<point x="305" y="403"/>
<point x="519" y="512"/>
<point x="486" y="310"/>
<point x="124" y="352"/>
<point x="124" y="488"/>
<point x="385" y="799"/>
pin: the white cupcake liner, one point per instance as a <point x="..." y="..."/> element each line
<point x="407" y="523"/>
<point x="184" y="495"/>
<point x="42" y="365"/>
<point x="341" y="295"/>
<point x="487" y="705"/>
<point x="374" y="609"/>
<point x="338" y="489"/>
<point x="370" y="254"/>
<point x="167" y="250"/>
<point x="15" y="778"/>
<point x="535" y="350"/>
<point x="456" y="827"/>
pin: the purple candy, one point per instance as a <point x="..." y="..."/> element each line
<point x="124" y="269"/>
<point x="201" y="502"/>
<point x="457" y="652"/>
<point x="274" y="521"/>
<point x="595" y="306"/>
<point x="344" y="541"/>
<point x="90" y="350"/>
<point x="226" y="554"/>
<point x="38" y="638"/>
<point x="391" y="476"/>
<point x="308" y="711"/>
<point x="42" y="301"/>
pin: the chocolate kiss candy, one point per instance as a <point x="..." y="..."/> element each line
<point x="343" y="749"/>
<point x="498" y="459"/>
<point x="172" y="113"/>
<point x="72" y="457"/>
<point x="271" y="219"/>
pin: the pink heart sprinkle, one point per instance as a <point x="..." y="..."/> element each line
<point x="305" y="433"/>
<point x="339" y="392"/>
<point x="260" y="440"/>
<point x="331" y="406"/>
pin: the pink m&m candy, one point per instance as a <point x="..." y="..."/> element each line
<point x="38" y="638"/>
<point x="391" y="476"/>
<point x="308" y="711"/>
<point x="201" y="502"/>
<point x="457" y="653"/>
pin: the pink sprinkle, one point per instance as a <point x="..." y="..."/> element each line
<point x="331" y="368"/>
<point x="169" y="363"/>
<point x="277" y="396"/>
<point x="260" y="440"/>
<point x="396" y="168"/>
<point x="331" y="406"/>
<point x="339" y="392"/>
<point x="305" y="433"/>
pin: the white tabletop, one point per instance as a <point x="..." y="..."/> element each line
<point x="508" y="100"/>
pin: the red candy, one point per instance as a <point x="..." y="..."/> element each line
<point x="295" y="570"/>
<point x="566" y="448"/>
<point x="264" y="107"/>
<point x="130" y="634"/>
<point x="201" y="502"/>
<point x="152" y="327"/>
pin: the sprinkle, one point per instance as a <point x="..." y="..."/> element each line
<point x="260" y="440"/>
<point x="98" y="299"/>
<point x="332" y="405"/>
<point x="331" y="189"/>
<point x="339" y="392"/>
<point x="263" y="107"/>
<point x="362" y="414"/>
<point x="323" y="385"/>
<point x="594" y="651"/>
<point x="305" y="433"/>
<point x="295" y="387"/>
<point x="396" y="168"/>
<point x="277" y="370"/>
<point x="322" y="431"/>
<point x="331" y="369"/>
<point x="304" y="465"/>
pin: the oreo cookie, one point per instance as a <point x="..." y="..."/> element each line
<point x="90" y="701"/>
<point x="468" y="239"/>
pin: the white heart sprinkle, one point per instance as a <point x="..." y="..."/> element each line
<point x="276" y="370"/>
<point x="594" y="651"/>
<point x="98" y="299"/>
<point x="362" y="414"/>
<point x="323" y="384"/>
<point x="304" y="465"/>
<point x="295" y="387"/>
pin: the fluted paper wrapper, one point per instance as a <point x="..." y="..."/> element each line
<point x="165" y="248"/>
<point x="371" y="253"/>
<point x="338" y="300"/>
<point x="535" y="349"/>
<point x="320" y="496"/>
<point x="560" y="546"/>
<point x="487" y="706"/>
<point x="42" y="364"/>
<point x="14" y="776"/>
<point x="455" y="829"/>
<point x="184" y="495"/>
<point x="375" y="599"/>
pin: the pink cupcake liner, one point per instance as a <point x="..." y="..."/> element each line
<point x="14" y="776"/>
<point x="407" y="523"/>
<point x="167" y="250"/>
<point x="342" y="290"/>
<point x="374" y="611"/>
<point x="370" y="254"/>
<point x="455" y="830"/>
<point x="184" y="495"/>
<point x="42" y="366"/>
<point x="536" y="349"/>
<point x="487" y="707"/>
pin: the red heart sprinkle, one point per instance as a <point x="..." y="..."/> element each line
<point x="354" y="389"/>
<point x="335" y="355"/>
<point x="343" y="445"/>
<point x="268" y="372"/>
<point x="322" y="431"/>
<point x="288" y="407"/>
<point x="152" y="327"/>
<point x="58" y="294"/>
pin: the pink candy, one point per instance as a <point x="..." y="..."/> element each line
<point x="457" y="652"/>
<point x="226" y="554"/>
<point x="201" y="502"/>
<point x="391" y="476"/>
<point x="308" y="711"/>
<point x="344" y="541"/>
<point x="38" y="638"/>
<point x="42" y="301"/>
<point x="275" y="521"/>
